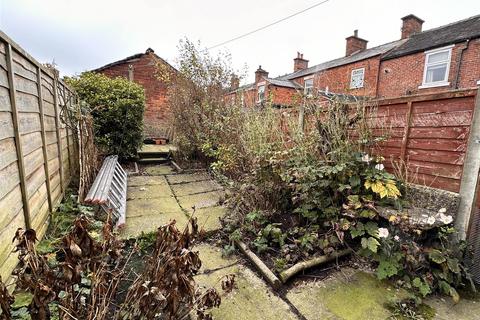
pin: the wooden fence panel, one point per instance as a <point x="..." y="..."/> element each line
<point x="434" y="139"/>
<point x="36" y="162"/>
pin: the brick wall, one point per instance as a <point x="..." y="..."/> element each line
<point x="283" y="96"/>
<point x="402" y="76"/>
<point x="157" y="118"/>
<point x="338" y="79"/>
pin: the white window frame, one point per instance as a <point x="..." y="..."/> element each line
<point x="305" y="89"/>
<point x="260" y="85"/>
<point x="363" y="78"/>
<point x="445" y="81"/>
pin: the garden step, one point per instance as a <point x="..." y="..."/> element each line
<point x="154" y="160"/>
<point x="144" y="154"/>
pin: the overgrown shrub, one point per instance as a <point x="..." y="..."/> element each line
<point x="315" y="189"/>
<point x="196" y="99"/>
<point x="117" y="106"/>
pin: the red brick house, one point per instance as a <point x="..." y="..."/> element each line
<point x="142" y="68"/>
<point x="441" y="59"/>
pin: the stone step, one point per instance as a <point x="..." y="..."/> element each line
<point x="146" y="155"/>
<point x="154" y="160"/>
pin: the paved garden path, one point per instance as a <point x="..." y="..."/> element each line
<point x="161" y="195"/>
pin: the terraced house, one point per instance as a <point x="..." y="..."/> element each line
<point x="442" y="59"/>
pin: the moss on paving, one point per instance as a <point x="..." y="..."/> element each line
<point x="135" y="226"/>
<point x="195" y="187"/>
<point x="159" y="170"/>
<point x="188" y="177"/>
<point x="209" y="218"/>
<point x="359" y="297"/>
<point x="200" y="200"/>
<point x="141" y="181"/>
<point x="251" y="298"/>
<point x="149" y="192"/>
<point x="147" y="207"/>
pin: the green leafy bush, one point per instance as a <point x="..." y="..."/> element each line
<point x="312" y="190"/>
<point x="117" y="106"/>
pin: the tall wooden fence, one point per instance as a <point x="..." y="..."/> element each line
<point x="37" y="149"/>
<point x="429" y="134"/>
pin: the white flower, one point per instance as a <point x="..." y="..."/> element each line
<point x="442" y="210"/>
<point x="397" y="238"/>
<point x="380" y="166"/>
<point x="430" y="220"/>
<point x="366" y="158"/>
<point x="383" y="232"/>
<point x="445" y="218"/>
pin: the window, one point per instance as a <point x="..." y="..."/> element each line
<point x="308" y="87"/>
<point x="356" y="81"/>
<point x="261" y="93"/>
<point x="437" y="65"/>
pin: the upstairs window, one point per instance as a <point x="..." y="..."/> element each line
<point x="308" y="87"/>
<point x="356" y="80"/>
<point x="261" y="93"/>
<point x="437" y="65"/>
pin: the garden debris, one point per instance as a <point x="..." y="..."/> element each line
<point x="314" y="262"/>
<point x="261" y="267"/>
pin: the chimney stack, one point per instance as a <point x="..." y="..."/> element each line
<point x="234" y="82"/>
<point x="355" y="44"/>
<point x="411" y="25"/>
<point x="299" y="63"/>
<point x="259" y="74"/>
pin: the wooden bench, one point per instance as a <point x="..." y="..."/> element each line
<point x="109" y="190"/>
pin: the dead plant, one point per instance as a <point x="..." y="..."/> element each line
<point x="84" y="278"/>
<point x="166" y="289"/>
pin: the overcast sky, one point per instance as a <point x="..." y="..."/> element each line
<point x="85" y="34"/>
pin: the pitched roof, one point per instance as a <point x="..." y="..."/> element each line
<point x="438" y="37"/>
<point x="133" y="57"/>
<point x="362" y="55"/>
<point x="284" y="83"/>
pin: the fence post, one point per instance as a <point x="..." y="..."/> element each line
<point x="18" y="144"/>
<point x="44" y="140"/>
<point x="470" y="175"/>
<point x="406" y="133"/>
<point x="57" y="127"/>
<point x="301" y="116"/>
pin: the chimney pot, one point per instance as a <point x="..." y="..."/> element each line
<point x="299" y="63"/>
<point x="411" y="25"/>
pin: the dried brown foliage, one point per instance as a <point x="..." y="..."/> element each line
<point x="167" y="288"/>
<point x="84" y="279"/>
<point x="6" y="299"/>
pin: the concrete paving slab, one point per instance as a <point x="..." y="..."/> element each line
<point x="188" y="177"/>
<point x="251" y="299"/>
<point x="153" y="148"/>
<point x="148" y="207"/>
<point x="195" y="187"/>
<point x="201" y="200"/>
<point x="136" y="225"/>
<point x="359" y="297"/>
<point x="446" y="309"/>
<point x="159" y="170"/>
<point x="149" y="191"/>
<point x="140" y="181"/>
<point x="209" y="218"/>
